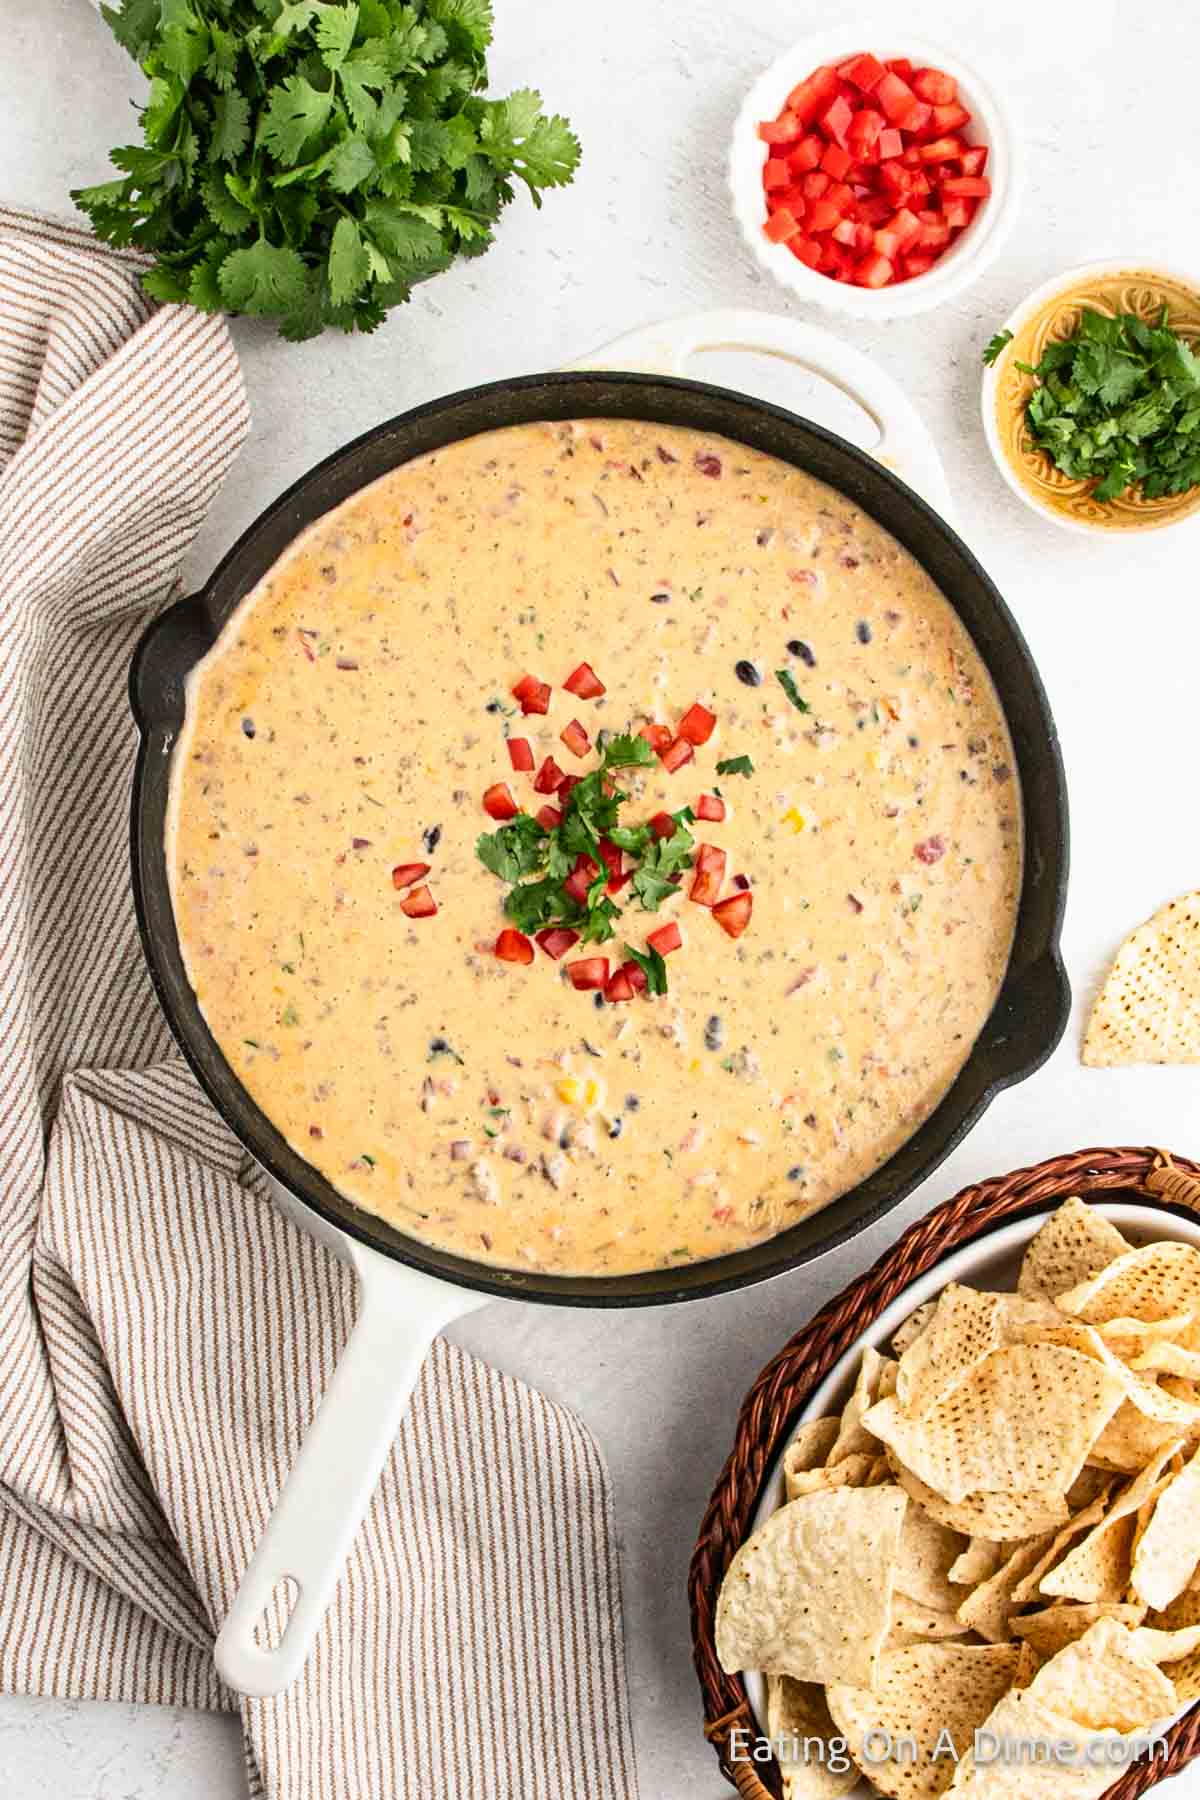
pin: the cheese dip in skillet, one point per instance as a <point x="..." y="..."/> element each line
<point x="782" y="752"/>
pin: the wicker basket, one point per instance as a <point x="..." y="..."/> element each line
<point x="770" y="1408"/>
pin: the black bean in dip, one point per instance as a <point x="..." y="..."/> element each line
<point x="432" y="839"/>
<point x="797" y="647"/>
<point x="248" y="728"/>
<point x="747" y="673"/>
<point x="862" y="632"/>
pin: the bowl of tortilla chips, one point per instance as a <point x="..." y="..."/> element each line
<point x="969" y="1561"/>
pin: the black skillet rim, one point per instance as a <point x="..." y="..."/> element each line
<point x="869" y="484"/>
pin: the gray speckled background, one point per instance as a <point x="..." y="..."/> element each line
<point x="1109" y="109"/>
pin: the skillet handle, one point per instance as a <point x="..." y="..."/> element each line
<point x="904" y="444"/>
<point x="327" y="1493"/>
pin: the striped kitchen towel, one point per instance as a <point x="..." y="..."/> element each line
<point x="165" y="1333"/>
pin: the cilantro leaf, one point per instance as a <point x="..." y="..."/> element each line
<point x="735" y="765"/>
<point x="654" y="881"/>
<point x="787" y="682"/>
<point x="995" y="345"/>
<point x="353" y="137"/>
<point x="515" y="850"/>
<point x="651" y="963"/>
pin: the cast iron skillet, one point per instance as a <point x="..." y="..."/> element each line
<point x="1031" y="1011"/>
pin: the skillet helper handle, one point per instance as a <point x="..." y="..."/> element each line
<point x="904" y="444"/>
<point x="326" y="1495"/>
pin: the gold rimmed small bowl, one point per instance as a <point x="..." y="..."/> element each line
<point x="1051" y="314"/>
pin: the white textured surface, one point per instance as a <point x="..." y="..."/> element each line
<point x="1109" y="110"/>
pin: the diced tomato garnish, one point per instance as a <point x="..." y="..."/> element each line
<point x="697" y="724"/>
<point x="514" y="946"/>
<point x="966" y="187"/>
<point x="836" y="120"/>
<point x="676" y="754"/>
<point x="949" y="118"/>
<point x="974" y="160"/>
<point x="549" y="778"/>
<point x="822" y="215"/>
<point x="520" y="755"/>
<point x="889" y="142"/>
<point x="813" y="185"/>
<point x="781" y="226"/>
<point x="866" y="71"/>
<point x="556" y="940"/>
<point x="589" y="972"/>
<point x="783" y="130"/>
<point x="659" y="737"/>
<point x="935" y="235"/>
<point x="958" y="213"/>
<point x="733" y="914"/>
<point x="619" y="987"/>
<point x="806" y="250"/>
<point x="584" y="683"/>
<point x="548" y="817"/>
<point x="662" y="825"/>
<point x="874" y="271"/>
<point x="807" y="98"/>
<point x="807" y="155"/>
<point x="918" y="262"/>
<point x="836" y="162"/>
<point x="943" y="149"/>
<point x="900" y="65"/>
<point x="419" y="903"/>
<point x="498" y="802"/>
<point x="709" y="876"/>
<point x="710" y="806"/>
<point x="533" y="694"/>
<point x="776" y="173"/>
<point x="613" y="862"/>
<point x="404" y="874"/>
<point x="916" y="117"/>
<point x="576" y="738"/>
<point x="665" y="939"/>
<point x="866" y="129"/>
<point x="636" y="976"/>
<point x="581" y="878"/>
<point x="932" y="85"/>
<point x="894" y="95"/>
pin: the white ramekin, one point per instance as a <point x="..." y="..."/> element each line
<point x="971" y="252"/>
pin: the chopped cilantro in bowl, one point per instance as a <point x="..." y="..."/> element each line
<point x="1117" y="404"/>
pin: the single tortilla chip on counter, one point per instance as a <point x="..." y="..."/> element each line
<point x="921" y="1693"/>
<point x="810" y="1593"/>
<point x="1020" y="1718"/>
<point x="1072" y="1245"/>
<point x="1025" y="1418"/>
<point x="1166" y="1553"/>
<point x="798" y="1713"/>
<point x="1102" y="1683"/>
<point x="1148" y="1010"/>
<point x="1052" y="1629"/>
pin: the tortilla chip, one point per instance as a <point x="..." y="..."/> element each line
<point x="922" y="1692"/>
<point x="1103" y="1684"/>
<point x="852" y="1471"/>
<point x="1166" y="1554"/>
<point x="1056" y="1626"/>
<point x="1148" y="1010"/>
<point x="1130" y="1439"/>
<point x="981" y="1558"/>
<point x="810" y="1593"/>
<point x="1030" y="1584"/>
<point x="965" y="1328"/>
<point x="876" y="1375"/>
<point x="1072" y="1245"/>
<point x="1087" y="1484"/>
<point x="1149" y="1284"/>
<point x="1098" y="1568"/>
<point x="1025" y="1418"/>
<point x="916" y="1624"/>
<point x="1181" y="1616"/>
<point x="998" y="1516"/>
<point x="927" y="1549"/>
<point x="797" y="1713"/>
<point x="987" y="1609"/>
<point x="1166" y="1646"/>
<point x="1019" y="1717"/>
<point x="810" y="1447"/>
<point x="1028" y="1664"/>
<point x="1162" y="1356"/>
<point x="910" y="1330"/>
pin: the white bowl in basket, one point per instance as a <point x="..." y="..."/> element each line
<point x="969" y="254"/>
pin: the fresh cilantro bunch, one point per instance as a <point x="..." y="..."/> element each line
<point x="314" y="160"/>
<point x="1117" y="403"/>
<point x="523" y="848"/>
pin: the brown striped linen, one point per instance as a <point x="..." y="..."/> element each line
<point x="165" y="1333"/>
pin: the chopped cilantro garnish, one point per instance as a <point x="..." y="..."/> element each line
<point x="995" y="345"/>
<point x="736" y="765"/>
<point x="652" y="966"/>
<point x="787" y="682"/>
<point x="1118" y="403"/>
<point x="665" y="858"/>
<point x="515" y="850"/>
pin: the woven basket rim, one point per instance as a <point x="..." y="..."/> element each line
<point x="1167" y="1182"/>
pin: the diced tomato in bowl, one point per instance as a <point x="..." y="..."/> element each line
<point x="871" y="141"/>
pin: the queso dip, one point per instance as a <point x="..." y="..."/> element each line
<point x="866" y="826"/>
